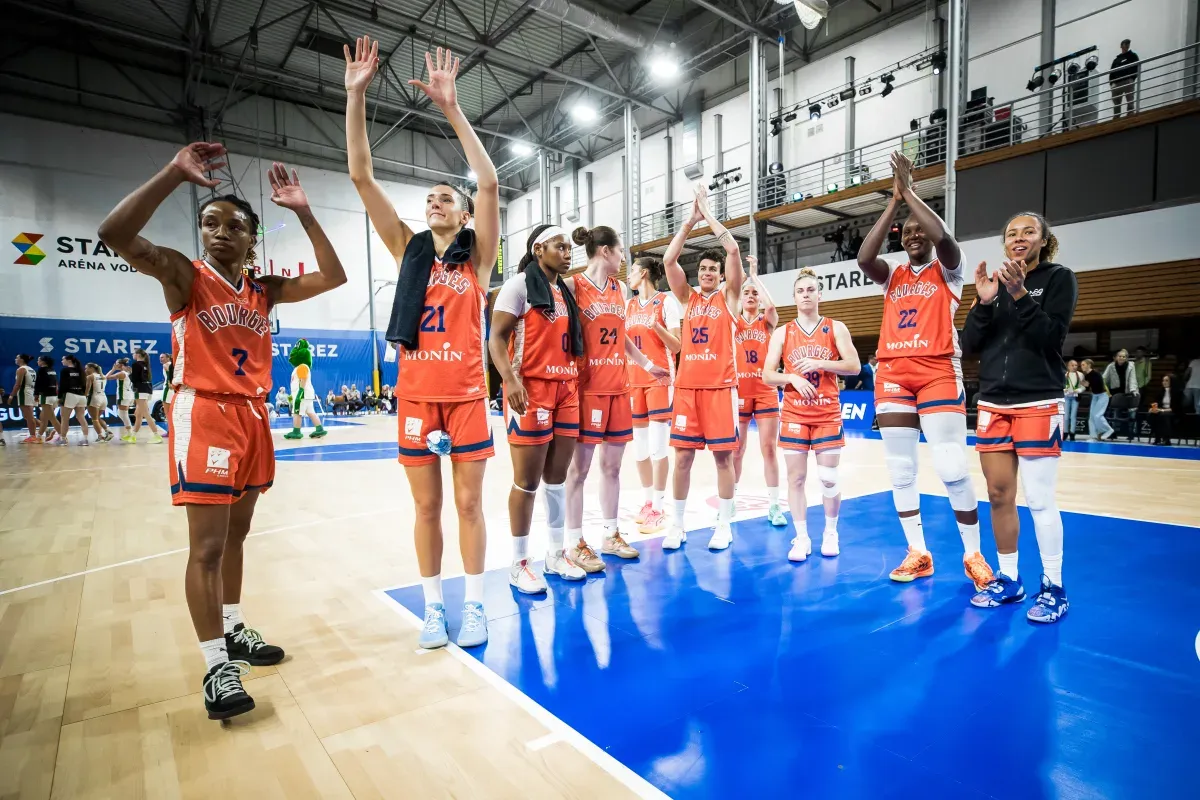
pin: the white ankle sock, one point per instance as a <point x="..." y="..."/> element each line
<point x="520" y="548"/>
<point x="831" y="526"/>
<point x="432" y="586"/>
<point x="724" y="510"/>
<point x="1008" y="564"/>
<point x="659" y="499"/>
<point x="913" y="533"/>
<point x="231" y="616"/>
<point x="801" y="526"/>
<point x="214" y="652"/>
<point x="610" y="527"/>
<point x="680" y="509"/>
<point x="970" y="537"/>
<point x="647" y="494"/>
<point x="1052" y="566"/>
<point x="773" y="495"/>
<point x="474" y="589"/>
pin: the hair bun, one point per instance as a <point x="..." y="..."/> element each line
<point x="581" y="235"/>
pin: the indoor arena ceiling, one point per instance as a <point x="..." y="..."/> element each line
<point x="525" y="63"/>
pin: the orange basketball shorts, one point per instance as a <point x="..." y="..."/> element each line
<point x="466" y="423"/>
<point x="800" y="436"/>
<point x="605" y="418"/>
<point x="1028" y="430"/>
<point x="926" y="385"/>
<point x="651" y="403"/>
<point x="552" y="410"/>
<point x="705" y="418"/>
<point x="760" y="404"/>
<point x="220" y="449"/>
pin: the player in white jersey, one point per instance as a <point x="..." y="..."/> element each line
<point x="120" y="373"/>
<point x="23" y="395"/>
<point x="97" y="401"/>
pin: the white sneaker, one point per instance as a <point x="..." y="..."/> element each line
<point x="801" y="549"/>
<point x="1104" y="437"/>
<point x="829" y="545"/>
<point x="674" y="538"/>
<point x="722" y="537"/>
<point x="558" y="564"/>
<point x="525" y="579"/>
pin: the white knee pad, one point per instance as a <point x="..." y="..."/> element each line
<point x="641" y="444"/>
<point x="660" y="433"/>
<point x="900" y="449"/>
<point x="950" y="461"/>
<point x="829" y="481"/>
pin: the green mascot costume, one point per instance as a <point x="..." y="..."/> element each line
<point x="302" y="391"/>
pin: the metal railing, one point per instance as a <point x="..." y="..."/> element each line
<point x="1084" y="97"/>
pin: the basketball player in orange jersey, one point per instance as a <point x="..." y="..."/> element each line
<point x="221" y="454"/>
<point x="918" y="382"/>
<point x="536" y="344"/>
<point x="814" y="351"/>
<point x="441" y="383"/>
<point x="652" y="320"/>
<point x="705" y="406"/>
<point x="756" y="399"/>
<point x="605" y="414"/>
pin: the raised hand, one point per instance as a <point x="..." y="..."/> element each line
<point x="986" y="287"/>
<point x="1012" y="273"/>
<point x="285" y="191"/>
<point x="440" y="88"/>
<point x="697" y="215"/>
<point x="752" y="266"/>
<point x="198" y="158"/>
<point x="702" y="199"/>
<point x="901" y="173"/>
<point x="361" y="69"/>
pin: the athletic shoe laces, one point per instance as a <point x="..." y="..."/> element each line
<point x="251" y="638"/>
<point x="226" y="680"/>
<point x="472" y="617"/>
<point x="586" y="551"/>
<point x="433" y="620"/>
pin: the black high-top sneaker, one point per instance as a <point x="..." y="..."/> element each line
<point x="246" y="644"/>
<point x="224" y="696"/>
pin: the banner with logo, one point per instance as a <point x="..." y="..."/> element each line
<point x="339" y="357"/>
<point x="858" y="410"/>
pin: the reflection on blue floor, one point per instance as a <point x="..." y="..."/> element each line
<point x="1109" y="448"/>
<point x="741" y="675"/>
<point x="285" y="422"/>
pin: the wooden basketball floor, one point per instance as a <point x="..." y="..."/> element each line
<point x="100" y="674"/>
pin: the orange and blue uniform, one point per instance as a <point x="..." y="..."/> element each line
<point x="1032" y="429"/>
<point x="540" y="351"/>
<point x="755" y="398"/>
<point x="442" y="384"/>
<point x="811" y="423"/>
<point x="650" y="398"/>
<point x="220" y="433"/>
<point x="604" y="410"/>
<point x="705" y="406"/>
<point x="919" y="356"/>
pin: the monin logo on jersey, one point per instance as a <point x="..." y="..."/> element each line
<point x="422" y="354"/>
<point x="228" y="314"/>
<point x="915" y="343"/>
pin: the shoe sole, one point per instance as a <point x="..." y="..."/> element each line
<point x="911" y="578"/>
<point x="833" y="554"/>
<point x="782" y="522"/>
<point x="461" y="643"/>
<point x="978" y="586"/>
<point x="571" y="578"/>
<point x="542" y="590"/>
<point x="719" y="547"/>
<point x="1010" y="601"/>
<point x="232" y="712"/>
<point x="258" y="662"/>
<point x="647" y="530"/>
<point x="434" y="645"/>
<point x="617" y="554"/>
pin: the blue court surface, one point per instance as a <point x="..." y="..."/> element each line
<point x="740" y="675"/>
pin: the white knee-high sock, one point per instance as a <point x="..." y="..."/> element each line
<point x="556" y="510"/>
<point x="1039" y="480"/>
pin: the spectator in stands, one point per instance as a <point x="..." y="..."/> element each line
<point x="1121" y="79"/>
<point x="386" y="399"/>
<point x="1073" y="386"/>
<point x="1120" y="377"/>
<point x="1191" y="386"/>
<point x="370" y="401"/>
<point x="354" y="399"/>
<point x="1143" y="366"/>
<point x="329" y="400"/>
<point x="1098" y="427"/>
<point x="1162" y="412"/>
<point x="282" y="403"/>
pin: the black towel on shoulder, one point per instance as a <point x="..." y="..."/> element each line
<point x="405" y="321"/>
<point x="537" y="288"/>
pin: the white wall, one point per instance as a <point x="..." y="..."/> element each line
<point x="61" y="181"/>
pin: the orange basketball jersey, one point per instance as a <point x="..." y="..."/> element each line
<point x="540" y="346"/>
<point x="221" y="340"/>
<point x="447" y="365"/>
<point x="602" y="316"/>
<point x="706" y="357"/>
<point x="640" y="319"/>
<point x="918" y="312"/>
<point x="751" y="350"/>
<point x="819" y="344"/>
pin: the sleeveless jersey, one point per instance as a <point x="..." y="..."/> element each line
<point x="706" y="357"/>
<point x="221" y="340"/>
<point x="98" y="384"/>
<point x="24" y="380"/>
<point x="602" y="317"/>
<point x="540" y="346"/>
<point x="124" y="388"/>
<point x="918" y="312"/>
<point x="448" y="364"/>
<point x="826" y="407"/>
<point x="640" y="319"/>
<point x="751" y="350"/>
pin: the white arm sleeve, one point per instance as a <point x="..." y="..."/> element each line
<point x="513" y="297"/>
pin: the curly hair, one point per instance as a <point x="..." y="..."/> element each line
<point x="1050" y="250"/>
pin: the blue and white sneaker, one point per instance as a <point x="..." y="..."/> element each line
<point x="433" y="633"/>
<point x="474" y="631"/>
<point x="1000" y="590"/>
<point x="775" y="516"/>
<point x="1050" y="605"/>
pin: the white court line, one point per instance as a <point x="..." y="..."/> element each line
<point x="80" y="469"/>
<point x="543" y="742"/>
<point x="588" y="749"/>
<point x="281" y="529"/>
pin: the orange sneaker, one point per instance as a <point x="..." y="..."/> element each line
<point x="977" y="569"/>
<point x="654" y="522"/>
<point x="647" y="510"/>
<point x="915" y="565"/>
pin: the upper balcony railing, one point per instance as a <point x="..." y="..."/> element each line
<point x="1076" y="100"/>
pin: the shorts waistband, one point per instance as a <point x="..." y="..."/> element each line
<point x="219" y="396"/>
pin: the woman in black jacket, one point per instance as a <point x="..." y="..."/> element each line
<point x="1017" y="327"/>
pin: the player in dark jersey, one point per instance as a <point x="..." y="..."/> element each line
<point x="222" y="455"/>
